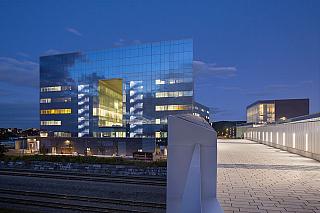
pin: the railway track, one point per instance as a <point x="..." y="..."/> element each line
<point x="68" y="202"/>
<point x="140" y="180"/>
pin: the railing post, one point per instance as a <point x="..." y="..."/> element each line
<point x="192" y="166"/>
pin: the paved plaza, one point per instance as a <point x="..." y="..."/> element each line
<point x="257" y="178"/>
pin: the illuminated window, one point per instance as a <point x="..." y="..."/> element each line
<point x="161" y="134"/>
<point x="110" y="107"/>
<point x="109" y="134"/>
<point x="62" y="134"/>
<point x="173" y="94"/>
<point x="50" y="89"/>
<point x="161" y="121"/>
<point x="50" y="123"/>
<point x="158" y="81"/>
<point x="173" y="81"/>
<point x="54" y="100"/>
<point x="43" y="134"/>
<point x="172" y="107"/>
<point x="55" y="88"/>
<point x="45" y="100"/>
<point x="261" y="109"/>
<point x="55" y="111"/>
<point x="157" y="134"/>
<point x="66" y="99"/>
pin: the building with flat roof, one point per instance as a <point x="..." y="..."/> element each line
<point x="270" y="111"/>
<point x="124" y="92"/>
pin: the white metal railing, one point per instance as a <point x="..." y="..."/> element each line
<point x="301" y="137"/>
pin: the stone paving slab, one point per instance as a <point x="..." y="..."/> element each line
<point x="254" y="177"/>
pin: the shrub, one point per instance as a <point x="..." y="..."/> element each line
<point x="3" y="150"/>
<point x="85" y="159"/>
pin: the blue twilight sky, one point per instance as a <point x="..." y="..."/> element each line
<point x="243" y="50"/>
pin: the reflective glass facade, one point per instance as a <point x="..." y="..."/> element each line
<point x="118" y="92"/>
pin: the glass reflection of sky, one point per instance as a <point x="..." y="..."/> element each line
<point x="169" y="61"/>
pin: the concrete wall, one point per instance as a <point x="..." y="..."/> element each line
<point x="301" y="137"/>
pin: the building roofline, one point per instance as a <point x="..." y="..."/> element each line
<point x="115" y="47"/>
<point x="303" y="117"/>
<point x="274" y="100"/>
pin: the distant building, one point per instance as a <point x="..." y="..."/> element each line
<point x="226" y="129"/>
<point x="89" y="145"/>
<point x="270" y="111"/>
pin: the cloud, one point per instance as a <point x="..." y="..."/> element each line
<point x="267" y="90"/>
<point x="289" y="86"/>
<point x="228" y="88"/>
<point x="123" y="42"/>
<point x="281" y="86"/>
<point x="136" y="41"/>
<point x="258" y="93"/>
<point x="119" y="43"/>
<point x="23" y="54"/>
<point x="52" y="52"/>
<point x="74" y="31"/>
<point x="306" y="82"/>
<point x="19" y="72"/>
<point x="211" y="69"/>
<point x="4" y="93"/>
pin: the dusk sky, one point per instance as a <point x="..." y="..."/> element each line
<point x="243" y="50"/>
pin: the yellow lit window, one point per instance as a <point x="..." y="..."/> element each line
<point x="173" y="94"/>
<point x="158" y="121"/>
<point x="55" y="111"/>
<point x="261" y="109"/>
<point x="43" y="134"/>
<point x="110" y="107"/>
<point x="161" y="134"/>
<point x="157" y="134"/>
<point x="50" y="123"/>
<point x="172" y="107"/>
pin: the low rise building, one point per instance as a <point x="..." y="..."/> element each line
<point x="270" y="111"/>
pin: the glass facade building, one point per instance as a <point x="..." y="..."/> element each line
<point x="118" y="92"/>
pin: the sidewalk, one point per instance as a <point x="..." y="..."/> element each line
<point x="256" y="178"/>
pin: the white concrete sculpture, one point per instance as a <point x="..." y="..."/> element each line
<point x="191" y="166"/>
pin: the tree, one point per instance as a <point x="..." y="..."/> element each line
<point x="3" y="150"/>
<point x="43" y="150"/>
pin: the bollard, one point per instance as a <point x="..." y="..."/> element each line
<point x="191" y="166"/>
